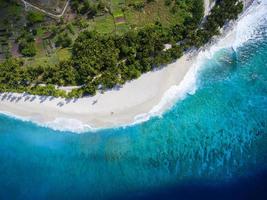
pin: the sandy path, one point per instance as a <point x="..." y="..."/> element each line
<point x="27" y="4"/>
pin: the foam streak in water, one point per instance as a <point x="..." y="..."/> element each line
<point x="247" y="28"/>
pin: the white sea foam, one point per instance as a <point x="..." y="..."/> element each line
<point x="59" y="124"/>
<point x="71" y="125"/>
<point x="247" y="26"/>
<point x="11" y="115"/>
<point x="174" y="93"/>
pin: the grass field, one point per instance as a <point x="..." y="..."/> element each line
<point x="126" y="16"/>
<point x="104" y="24"/>
<point x="154" y="11"/>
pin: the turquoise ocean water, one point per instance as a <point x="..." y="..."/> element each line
<point x="212" y="144"/>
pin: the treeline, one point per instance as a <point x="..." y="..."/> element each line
<point x="223" y="11"/>
<point x="100" y="62"/>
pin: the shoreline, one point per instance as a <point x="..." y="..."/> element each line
<point x="112" y="108"/>
<point x="151" y="94"/>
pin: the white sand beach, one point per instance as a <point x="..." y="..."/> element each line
<point x="114" y="107"/>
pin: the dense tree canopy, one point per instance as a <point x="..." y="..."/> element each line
<point x="104" y="61"/>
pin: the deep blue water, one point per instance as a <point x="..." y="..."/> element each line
<point x="211" y="145"/>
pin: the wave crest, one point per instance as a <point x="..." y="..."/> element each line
<point x="247" y="28"/>
<point x="71" y="125"/>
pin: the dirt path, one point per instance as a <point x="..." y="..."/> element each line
<point x="27" y="4"/>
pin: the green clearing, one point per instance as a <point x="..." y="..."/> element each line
<point x="50" y="60"/>
<point x="104" y="24"/>
<point x="154" y="11"/>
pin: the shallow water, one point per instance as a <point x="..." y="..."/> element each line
<point x="212" y="144"/>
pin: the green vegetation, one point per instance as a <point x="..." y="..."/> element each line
<point x="27" y="48"/>
<point x="63" y="40"/>
<point x="89" y="8"/>
<point x="35" y="17"/>
<point x="104" y="60"/>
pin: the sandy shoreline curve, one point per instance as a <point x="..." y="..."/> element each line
<point x="137" y="100"/>
<point x="112" y="108"/>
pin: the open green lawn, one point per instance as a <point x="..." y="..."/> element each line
<point x="154" y="11"/>
<point x="104" y="24"/>
<point x="125" y="16"/>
